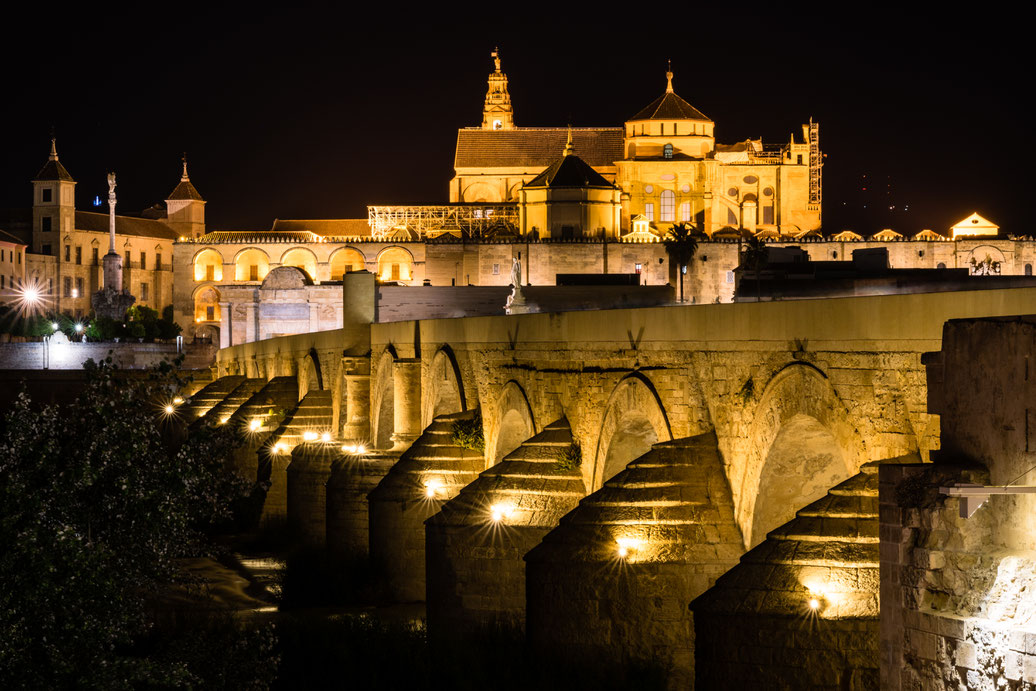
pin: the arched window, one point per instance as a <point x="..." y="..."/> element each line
<point x="395" y="264"/>
<point x="1028" y="269"/>
<point x="941" y="266"/>
<point x="345" y="260"/>
<point x="208" y="266"/>
<point x="302" y="259"/>
<point x="668" y="206"/>
<point x="667" y="151"/>
<point x="251" y="265"/>
<point x="206" y="305"/>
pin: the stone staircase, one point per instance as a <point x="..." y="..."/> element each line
<point x="428" y="474"/>
<point x="615" y="577"/>
<point x="475" y="545"/>
<point x="821" y="567"/>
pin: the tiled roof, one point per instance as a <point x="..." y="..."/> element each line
<point x="569" y="171"/>
<point x="124" y="225"/>
<point x="185" y="190"/>
<point x="669" y="106"/>
<point x="535" y="147"/>
<point x="326" y="226"/>
<point x="53" y="170"/>
<point x="7" y="237"/>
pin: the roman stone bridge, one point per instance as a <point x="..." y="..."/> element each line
<point x="647" y="446"/>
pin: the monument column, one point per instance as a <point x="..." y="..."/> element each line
<point x="111" y="301"/>
<point x="406" y="380"/>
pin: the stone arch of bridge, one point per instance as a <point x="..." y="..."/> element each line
<point x="383" y="401"/>
<point x="800" y="445"/>
<point x="634" y="419"/>
<point x="310" y="375"/>
<point x="443" y="388"/>
<point x="512" y="422"/>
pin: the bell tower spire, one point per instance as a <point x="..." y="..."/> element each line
<point x="497" y="113"/>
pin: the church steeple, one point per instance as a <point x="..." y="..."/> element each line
<point x="497" y="113"/>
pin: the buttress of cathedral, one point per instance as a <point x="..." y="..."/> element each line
<point x="664" y="162"/>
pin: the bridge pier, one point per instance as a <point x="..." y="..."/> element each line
<point x="429" y="473"/>
<point x="476" y="544"/>
<point x="307" y="475"/>
<point x="406" y="391"/>
<point x="356" y="424"/>
<point x="614" y="579"/>
<point x="352" y="478"/>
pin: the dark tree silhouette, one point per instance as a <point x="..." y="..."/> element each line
<point x="681" y="242"/>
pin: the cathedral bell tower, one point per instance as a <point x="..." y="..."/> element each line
<point x="497" y="113"/>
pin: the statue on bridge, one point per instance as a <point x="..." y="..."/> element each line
<point x="516" y="303"/>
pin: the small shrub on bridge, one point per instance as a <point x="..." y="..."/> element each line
<point x="570" y="459"/>
<point x="468" y="434"/>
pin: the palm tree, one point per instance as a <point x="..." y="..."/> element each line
<point x="754" y="257"/>
<point x="681" y="242"/>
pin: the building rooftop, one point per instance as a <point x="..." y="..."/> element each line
<point x="569" y="171"/>
<point x="124" y="225"/>
<point x="535" y="147"/>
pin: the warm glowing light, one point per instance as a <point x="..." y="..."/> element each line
<point x="432" y="487"/>
<point x="309" y="436"/>
<point x="814" y="603"/>
<point x="255" y="424"/>
<point x="177" y="401"/>
<point x="348" y="448"/>
<point x="223" y="420"/>
<point x="279" y="448"/>
<point x="169" y="410"/>
<point x="626" y="546"/>
<point x="498" y="512"/>
<point x="79" y="328"/>
<point x="54" y="325"/>
<point x="360" y="448"/>
<point x="325" y="437"/>
<point x="31" y="295"/>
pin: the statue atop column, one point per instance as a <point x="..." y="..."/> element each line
<point x="516" y="303"/>
<point x="112" y="301"/>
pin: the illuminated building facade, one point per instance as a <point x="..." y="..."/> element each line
<point x="66" y="245"/>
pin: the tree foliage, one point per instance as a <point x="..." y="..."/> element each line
<point x="97" y="504"/>
<point x="681" y="243"/>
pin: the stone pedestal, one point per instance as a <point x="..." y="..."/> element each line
<point x="111" y="301"/>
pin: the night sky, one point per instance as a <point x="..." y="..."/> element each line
<point x="316" y="113"/>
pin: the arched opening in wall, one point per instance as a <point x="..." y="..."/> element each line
<point x="251" y="265"/>
<point x="445" y="394"/>
<point x="515" y="428"/>
<point x="311" y="381"/>
<point x="207" y="333"/>
<point x="802" y="464"/>
<point x="634" y="420"/>
<point x="383" y="403"/>
<point x="395" y="264"/>
<point x="513" y="422"/>
<point x="206" y="305"/>
<point x="208" y="266"/>
<point x="301" y="258"/>
<point x="345" y="260"/>
<point x="481" y="192"/>
<point x="633" y="438"/>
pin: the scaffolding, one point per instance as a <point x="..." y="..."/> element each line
<point x="815" y="164"/>
<point x="468" y="220"/>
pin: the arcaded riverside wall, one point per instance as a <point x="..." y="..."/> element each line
<point x="957" y="606"/>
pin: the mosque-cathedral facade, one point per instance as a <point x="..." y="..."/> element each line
<point x="564" y="200"/>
